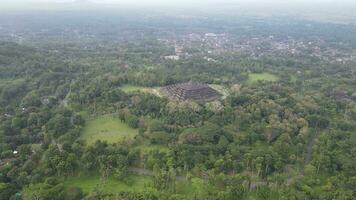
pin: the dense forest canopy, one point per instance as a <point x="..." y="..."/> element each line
<point x="285" y="127"/>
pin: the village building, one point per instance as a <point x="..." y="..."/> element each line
<point x="172" y="57"/>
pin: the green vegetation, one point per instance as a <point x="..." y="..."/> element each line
<point x="107" y="128"/>
<point x="221" y="89"/>
<point x="111" y="185"/>
<point x="293" y="78"/>
<point x="8" y="81"/>
<point x="255" y="77"/>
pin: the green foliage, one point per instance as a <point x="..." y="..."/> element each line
<point x="6" y="190"/>
<point x="51" y="189"/>
<point x="132" y="121"/>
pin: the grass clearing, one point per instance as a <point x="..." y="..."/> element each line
<point x="255" y="77"/>
<point x="145" y="148"/>
<point x="131" y="183"/>
<point x="133" y="88"/>
<point x="107" y="128"/>
<point x="111" y="185"/>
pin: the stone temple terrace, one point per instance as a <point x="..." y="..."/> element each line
<point x="191" y="91"/>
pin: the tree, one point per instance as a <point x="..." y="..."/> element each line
<point x="317" y="121"/>
<point x="6" y="190"/>
<point x="133" y="121"/>
<point x="51" y="189"/>
<point x="263" y="192"/>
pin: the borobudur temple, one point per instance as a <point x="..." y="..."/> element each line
<point x="191" y="91"/>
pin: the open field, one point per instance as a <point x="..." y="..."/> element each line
<point x="137" y="183"/>
<point x="145" y="148"/>
<point x="133" y="88"/>
<point x="255" y="77"/>
<point x="108" y="129"/>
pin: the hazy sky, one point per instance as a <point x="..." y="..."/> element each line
<point x="336" y="9"/>
<point x="181" y="2"/>
<point x="23" y="3"/>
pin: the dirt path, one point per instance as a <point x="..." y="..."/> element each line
<point x="308" y="157"/>
<point x="65" y="100"/>
<point x="310" y="145"/>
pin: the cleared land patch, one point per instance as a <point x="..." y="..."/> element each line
<point x="145" y="148"/>
<point x="133" y="88"/>
<point x="255" y="77"/>
<point x="107" y="128"/>
<point x="132" y="183"/>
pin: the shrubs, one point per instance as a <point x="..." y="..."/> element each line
<point x="133" y="121"/>
<point x="73" y="193"/>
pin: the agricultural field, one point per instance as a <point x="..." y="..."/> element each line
<point x="255" y="77"/>
<point x="107" y="128"/>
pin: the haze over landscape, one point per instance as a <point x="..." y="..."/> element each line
<point x="333" y="10"/>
